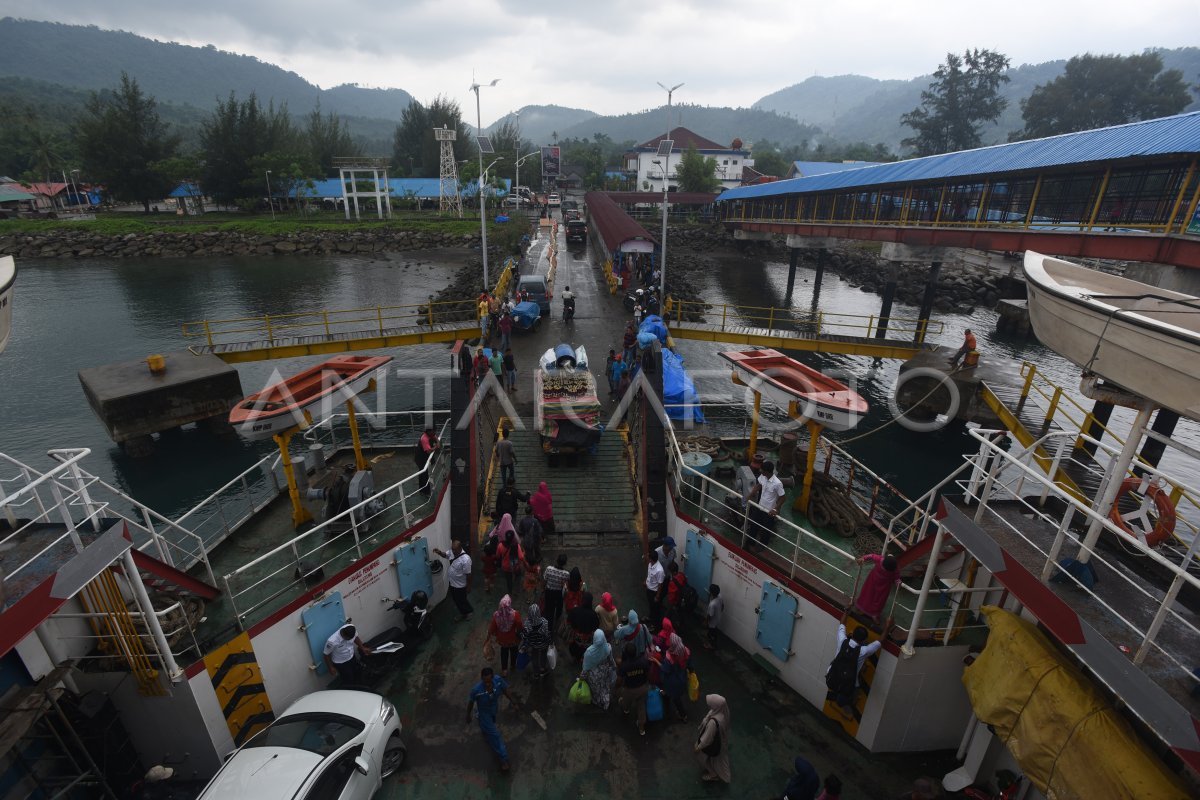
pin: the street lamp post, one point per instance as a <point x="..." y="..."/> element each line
<point x="475" y="87"/>
<point x="520" y="161"/>
<point x="662" y="270"/>
<point x="270" y="200"/>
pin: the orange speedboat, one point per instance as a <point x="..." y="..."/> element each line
<point x="802" y="390"/>
<point x="288" y="404"/>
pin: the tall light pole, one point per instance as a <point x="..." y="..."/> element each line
<point x="520" y="161"/>
<point x="271" y="200"/>
<point x="662" y="270"/>
<point x="475" y="87"/>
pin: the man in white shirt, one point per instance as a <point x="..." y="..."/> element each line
<point x="655" y="578"/>
<point x="459" y="573"/>
<point x="769" y="501"/>
<point x="340" y="653"/>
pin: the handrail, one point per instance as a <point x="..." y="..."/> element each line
<point x="820" y="323"/>
<point x="76" y="455"/>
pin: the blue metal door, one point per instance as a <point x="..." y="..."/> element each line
<point x="320" y="621"/>
<point x="776" y="621"/>
<point x="412" y="568"/>
<point x="698" y="556"/>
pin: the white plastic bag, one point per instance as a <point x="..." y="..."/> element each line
<point x="551" y="657"/>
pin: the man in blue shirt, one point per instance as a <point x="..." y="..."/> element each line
<point x="485" y="697"/>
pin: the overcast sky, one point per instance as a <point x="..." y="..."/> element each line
<point x="606" y="55"/>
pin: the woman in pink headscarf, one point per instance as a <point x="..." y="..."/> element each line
<point x="606" y="610"/>
<point x="543" y="509"/>
<point x="505" y="628"/>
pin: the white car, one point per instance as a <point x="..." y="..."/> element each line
<point x="554" y="201"/>
<point x="328" y="745"/>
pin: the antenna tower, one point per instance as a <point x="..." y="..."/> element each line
<point x="449" y="198"/>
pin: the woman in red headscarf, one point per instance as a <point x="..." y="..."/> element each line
<point x="606" y="609"/>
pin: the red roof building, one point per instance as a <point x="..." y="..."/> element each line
<point x="644" y="166"/>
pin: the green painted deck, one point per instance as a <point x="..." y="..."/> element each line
<point x="592" y="493"/>
<point x="588" y="753"/>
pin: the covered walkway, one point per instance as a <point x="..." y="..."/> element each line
<point x="1126" y="192"/>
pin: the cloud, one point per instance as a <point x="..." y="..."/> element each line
<point x="608" y="56"/>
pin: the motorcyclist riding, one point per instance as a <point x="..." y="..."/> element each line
<point x="568" y="304"/>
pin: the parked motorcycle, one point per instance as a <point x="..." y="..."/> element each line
<point x="387" y="648"/>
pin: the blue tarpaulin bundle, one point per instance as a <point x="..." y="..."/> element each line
<point x="679" y="392"/>
<point x="653" y="324"/>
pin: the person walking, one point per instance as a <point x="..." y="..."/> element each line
<point x="671" y="656"/>
<point x="606" y="610"/>
<point x="491" y="561"/>
<point x="505" y="629"/>
<point x="496" y="364"/>
<point x="482" y="308"/>
<point x="804" y="783"/>
<point x="632" y="632"/>
<point x="599" y="669"/>
<point x="535" y="640"/>
<point x="712" y="616"/>
<point x="554" y="579"/>
<point x="481" y="365"/>
<point x="765" y="512"/>
<point x="426" y="447"/>
<point x="573" y="592"/>
<point x="543" y="509"/>
<point x="533" y="575"/>
<point x="341" y="655"/>
<point x="506" y="326"/>
<point x="510" y="370"/>
<point x="459" y="572"/>
<point x="506" y="454"/>
<point x="465" y="363"/>
<point x="616" y="370"/>
<point x="878" y="586"/>
<point x="842" y="675"/>
<point x="582" y="621"/>
<point x="530" y="531"/>
<point x="510" y="552"/>
<point x="628" y="344"/>
<point x="637" y="314"/>
<point x="484" y="698"/>
<point x="673" y="594"/>
<point x="667" y="553"/>
<point x="634" y="674"/>
<point x="712" y="745"/>
<point x="508" y="500"/>
<point x="655" y="577"/>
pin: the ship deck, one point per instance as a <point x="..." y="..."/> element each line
<point x="588" y="753"/>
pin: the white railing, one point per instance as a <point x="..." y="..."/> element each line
<point x="222" y="513"/>
<point x="996" y="474"/>
<point x="255" y="587"/>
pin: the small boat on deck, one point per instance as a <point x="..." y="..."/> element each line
<point x="802" y="390"/>
<point x="291" y="402"/>
<point x="1145" y="339"/>
<point x="8" y="276"/>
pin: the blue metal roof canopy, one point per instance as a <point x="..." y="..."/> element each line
<point x="1156" y="137"/>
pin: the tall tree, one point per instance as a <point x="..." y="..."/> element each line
<point x="123" y="143"/>
<point x="328" y="138"/>
<point x="237" y="133"/>
<point x="413" y="146"/>
<point x="964" y="93"/>
<point x="1097" y="91"/>
<point x="696" y="173"/>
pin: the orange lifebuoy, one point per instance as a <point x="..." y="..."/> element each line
<point x="1164" y="527"/>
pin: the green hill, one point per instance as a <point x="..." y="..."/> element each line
<point x="82" y="57"/>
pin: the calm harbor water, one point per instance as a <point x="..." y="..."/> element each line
<point x="75" y="314"/>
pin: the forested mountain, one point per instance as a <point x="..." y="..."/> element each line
<point x="857" y="108"/>
<point x="539" y="123"/>
<point x="722" y="125"/>
<point x="90" y="58"/>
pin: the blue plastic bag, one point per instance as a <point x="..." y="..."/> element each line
<point x="522" y="661"/>
<point x="654" y="705"/>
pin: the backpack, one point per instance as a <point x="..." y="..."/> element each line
<point x="690" y="599"/>
<point x="514" y="558"/>
<point x="489" y="548"/>
<point x="842" y="676"/>
<point x="675" y="590"/>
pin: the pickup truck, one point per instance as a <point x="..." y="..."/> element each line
<point x="566" y="405"/>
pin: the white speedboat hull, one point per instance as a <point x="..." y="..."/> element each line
<point x="8" y="275"/>
<point x="302" y="415"/>
<point x="1149" y="347"/>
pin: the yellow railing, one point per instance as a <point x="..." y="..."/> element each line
<point x="821" y="323"/>
<point x="332" y="323"/>
<point x="1068" y="414"/>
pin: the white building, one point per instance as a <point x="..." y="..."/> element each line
<point x="642" y="163"/>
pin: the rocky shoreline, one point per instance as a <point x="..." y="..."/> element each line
<point x="184" y="244"/>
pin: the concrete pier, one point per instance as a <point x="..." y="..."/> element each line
<point x="1013" y="317"/>
<point x="928" y="393"/>
<point x="135" y="403"/>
